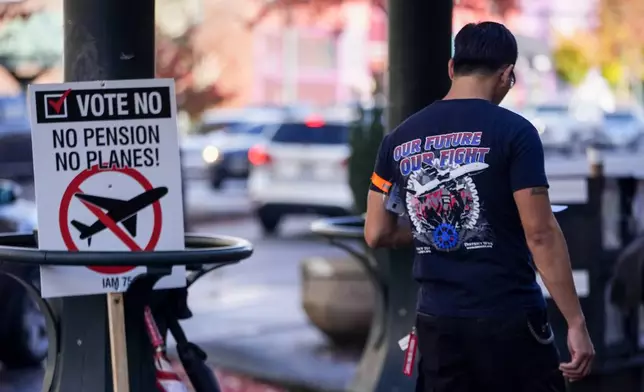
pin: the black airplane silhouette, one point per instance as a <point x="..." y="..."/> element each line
<point x="123" y="211"/>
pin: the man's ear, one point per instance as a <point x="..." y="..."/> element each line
<point x="505" y="76"/>
<point x="450" y="68"/>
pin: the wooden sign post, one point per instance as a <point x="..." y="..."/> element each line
<point x="118" y="347"/>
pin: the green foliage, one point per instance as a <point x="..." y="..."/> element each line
<point x="571" y="62"/>
<point x="37" y="40"/>
<point x="613" y="72"/>
<point x="366" y="134"/>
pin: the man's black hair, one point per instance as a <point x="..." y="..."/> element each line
<point x="484" y="48"/>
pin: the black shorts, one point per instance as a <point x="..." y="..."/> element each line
<point x="488" y="354"/>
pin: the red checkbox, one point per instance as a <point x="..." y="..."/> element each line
<point x="57" y="104"/>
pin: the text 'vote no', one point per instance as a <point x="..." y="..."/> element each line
<point x="106" y="104"/>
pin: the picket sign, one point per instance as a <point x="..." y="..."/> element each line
<point x="107" y="177"/>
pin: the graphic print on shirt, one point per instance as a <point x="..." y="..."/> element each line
<point x="440" y="194"/>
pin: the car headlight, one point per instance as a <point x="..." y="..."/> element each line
<point x="210" y="154"/>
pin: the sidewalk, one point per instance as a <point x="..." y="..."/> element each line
<point x="248" y="318"/>
<point x="260" y="331"/>
<point x="230" y="382"/>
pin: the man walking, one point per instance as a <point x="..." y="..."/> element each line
<point x="471" y="176"/>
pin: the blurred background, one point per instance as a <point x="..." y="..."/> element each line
<point x="280" y="115"/>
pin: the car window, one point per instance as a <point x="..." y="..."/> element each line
<point x="620" y="117"/>
<point x="206" y="128"/>
<point x="13" y="109"/>
<point x="551" y="110"/>
<point x="245" y="129"/>
<point x="303" y="134"/>
<point x="15" y="127"/>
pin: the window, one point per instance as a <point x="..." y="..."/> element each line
<point x="554" y="109"/>
<point x="620" y="117"/>
<point x="302" y="134"/>
<point x="245" y="129"/>
<point x="317" y="52"/>
<point x="13" y="109"/>
<point x="272" y="51"/>
<point x="206" y="128"/>
<point x="619" y="120"/>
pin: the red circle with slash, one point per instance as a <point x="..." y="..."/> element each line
<point x="74" y="187"/>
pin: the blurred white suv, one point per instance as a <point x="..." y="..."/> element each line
<point x="300" y="168"/>
<point x="558" y="129"/>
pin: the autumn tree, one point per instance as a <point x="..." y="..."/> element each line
<point x="503" y="7"/>
<point x="498" y="7"/>
<point x="19" y="10"/>
<point x="177" y="58"/>
<point x="571" y="61"/>
<point x="197" y="71"/>
<point x="620" y="39"/>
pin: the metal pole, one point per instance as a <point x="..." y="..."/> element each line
<point x="595" y="161"/>
<point x="104" y="39"/>
<point x="420" y="45"/>
<point x="108" y="39"/>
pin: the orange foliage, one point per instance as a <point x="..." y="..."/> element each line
<point x="177" y="58"/>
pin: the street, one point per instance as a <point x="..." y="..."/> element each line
<point x="264" y="288"/>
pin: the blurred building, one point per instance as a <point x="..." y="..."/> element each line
<point x="297" y="56"/>
<point x="537" y="25"/>
<point x="315" y="52"/>
<point x="330" y="55"/>
<point x="545" y="19"/>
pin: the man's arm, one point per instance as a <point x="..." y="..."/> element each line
<point x="381" y="229"/>
<point x="548" y="245"/>
<point x="549" y="251"/>
<point x="543" y="234"/>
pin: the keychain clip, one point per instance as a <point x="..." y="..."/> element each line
<point x="410" y="354"/>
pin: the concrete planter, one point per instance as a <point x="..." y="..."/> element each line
<point x="338" y="298"/>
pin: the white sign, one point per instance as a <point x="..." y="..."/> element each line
<point x="108" y="178"/>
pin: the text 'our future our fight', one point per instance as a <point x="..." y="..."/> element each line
<point x="458" y="148"/>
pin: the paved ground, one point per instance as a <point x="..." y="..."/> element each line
<point x="248" y="317"/>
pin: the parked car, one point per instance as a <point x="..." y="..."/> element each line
<point x="226" y="155"/>
<point x="557" y="128"/>
<point x="300" y="168"/>
<point x="15" y="139"/>
<point x="195" y="150"/>
<point x="623" y="129"/>
<point x="192" y="156"/>
<point x="217" y="149"/>
<point x="23" y="332"/>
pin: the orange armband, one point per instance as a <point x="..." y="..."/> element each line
<point x="380" y="183"/>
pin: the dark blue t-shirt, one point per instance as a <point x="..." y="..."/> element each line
<point x="456" y="164"/>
